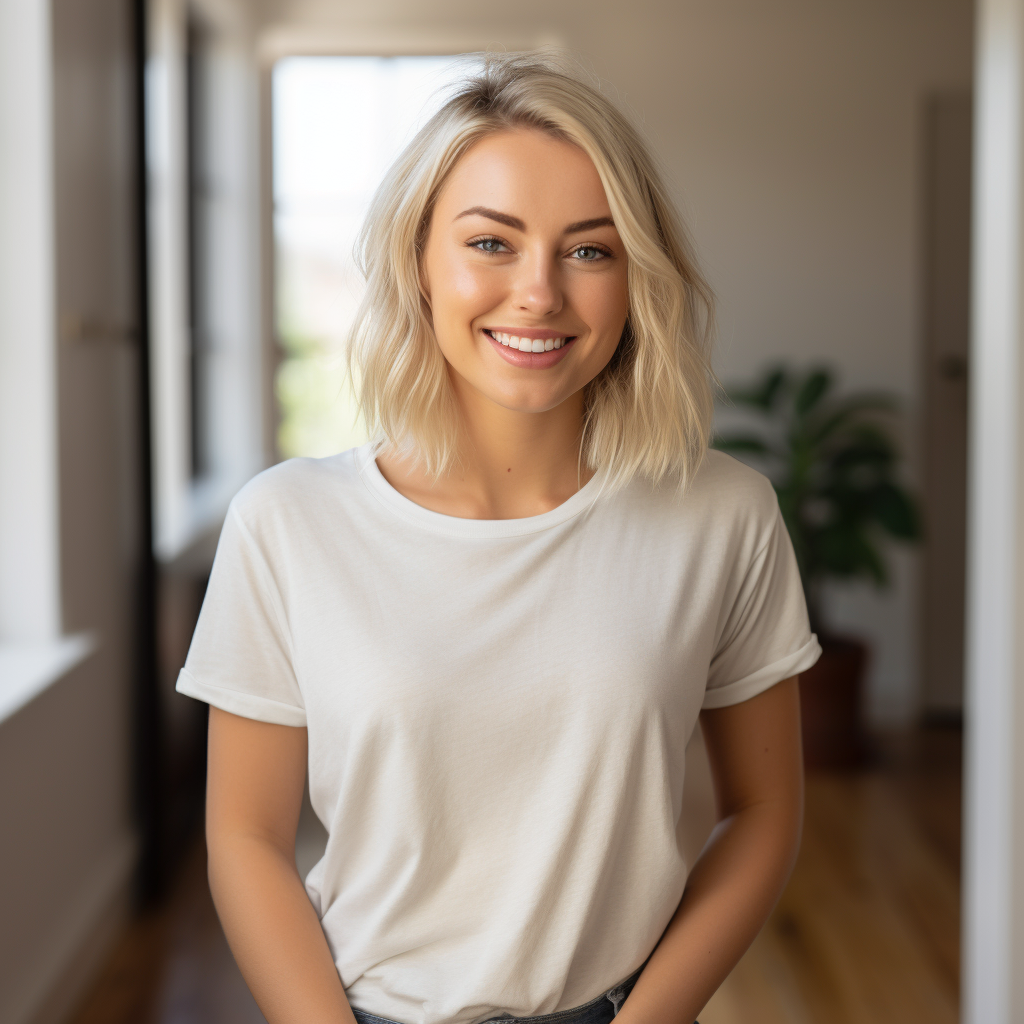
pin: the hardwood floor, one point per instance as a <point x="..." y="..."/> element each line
<point x="867" y="931"/>
<point x="173" y="966"/>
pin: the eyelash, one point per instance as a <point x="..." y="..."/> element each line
<point x="474" y="243"/>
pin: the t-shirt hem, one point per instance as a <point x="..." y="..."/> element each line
<point x="262" y="709"/>
<point x="764" y="678"/>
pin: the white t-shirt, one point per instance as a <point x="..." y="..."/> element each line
<point x="498" y="712"/>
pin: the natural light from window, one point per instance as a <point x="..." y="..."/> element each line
<point x="339" y="122"/>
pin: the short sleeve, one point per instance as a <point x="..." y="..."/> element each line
<point x="767" y="637"/>
<point x="240" y="658"/>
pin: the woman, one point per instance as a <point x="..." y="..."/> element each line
<point x="490" y="634"/>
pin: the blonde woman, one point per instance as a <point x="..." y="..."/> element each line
<point x="489" y="635"/>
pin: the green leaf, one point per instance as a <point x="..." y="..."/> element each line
<point x="842" y="413"/>
<point x="834" y="462"/>
<point x="762" y="395"/>
<point x="839" y="549"/>
<point x="811" y="391"/>
<point x="864" y="445"/>
<point x="874" y="564"/>
<point x="772" y="386"/>
<point x="845" y="550"/>
<point x="895" y="511"/>
<point x="747" y="445"/>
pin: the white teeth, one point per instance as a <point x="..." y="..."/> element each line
<point x="527" y="344"/>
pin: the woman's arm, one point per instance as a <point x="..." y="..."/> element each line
<point x="756" y="762"/>
<point x="253" y="796"/>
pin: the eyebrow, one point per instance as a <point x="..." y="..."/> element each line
<point x="515" y="222"/>
<point x="587" y="225"/>
<point x="501" y="218"/>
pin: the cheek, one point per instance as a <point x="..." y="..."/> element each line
<point x="601" y="302"/>
<point x="462" y="291"/>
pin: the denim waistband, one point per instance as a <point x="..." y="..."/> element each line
<point x="600" y="1010"/>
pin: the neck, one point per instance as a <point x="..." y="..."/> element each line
<point x="513" y="457"/>
<point x="509" y="465"/>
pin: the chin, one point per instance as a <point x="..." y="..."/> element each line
<point x="529" y="402"/>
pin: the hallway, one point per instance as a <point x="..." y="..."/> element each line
<point x="149" y="339"/>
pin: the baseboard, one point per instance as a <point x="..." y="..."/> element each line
<point x="81" y="943"/>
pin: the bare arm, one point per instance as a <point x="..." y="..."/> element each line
<point x="756" y="762"/>
<point x="254" y="793"/>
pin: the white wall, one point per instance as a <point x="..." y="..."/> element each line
<point x="993" y="991"/>
<point x="791" y="132"/>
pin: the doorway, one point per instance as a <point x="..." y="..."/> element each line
<point x="947" y="222"/>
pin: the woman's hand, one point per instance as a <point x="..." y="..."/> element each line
<point x="254" y="789"/>
<point x="757" y="765"/>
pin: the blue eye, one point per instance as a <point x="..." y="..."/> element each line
<point x="588" y="253"/>
<point x="491" y="245"/>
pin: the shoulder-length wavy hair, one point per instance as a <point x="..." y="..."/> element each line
<point x="648" y="412"/>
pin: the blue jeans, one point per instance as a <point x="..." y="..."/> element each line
<point x="598" y="1011"/>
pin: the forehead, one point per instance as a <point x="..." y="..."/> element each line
<point x="528" y="174"/>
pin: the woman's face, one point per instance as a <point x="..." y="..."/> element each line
<point x="524" y="271"/>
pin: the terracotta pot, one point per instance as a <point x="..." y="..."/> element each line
<point x="830" y="705"/>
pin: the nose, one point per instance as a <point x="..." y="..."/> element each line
<point x="538" y="290"/>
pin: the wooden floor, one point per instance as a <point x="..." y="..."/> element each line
<point x="866" y="932"/>
<point x="173" y="966"/>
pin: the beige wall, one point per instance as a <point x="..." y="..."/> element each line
<point x="791" y="132"/>
<point x="68" y="844"/>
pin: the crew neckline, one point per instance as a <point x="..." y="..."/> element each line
<point x="455" y="526"/>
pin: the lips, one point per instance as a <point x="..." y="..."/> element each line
<point x="530" y="353"/>
<point x="532" y="341"/>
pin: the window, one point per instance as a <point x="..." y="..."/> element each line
<point x="205" y="325"/>
<point x="34" y="651"/>
<point x="339" y="122"/>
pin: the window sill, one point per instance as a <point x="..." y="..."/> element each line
<point x="27" y="669"/>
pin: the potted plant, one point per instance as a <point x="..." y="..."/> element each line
<point x="833" y="465"/>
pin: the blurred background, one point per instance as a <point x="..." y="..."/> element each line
<point x="182" y="183"/>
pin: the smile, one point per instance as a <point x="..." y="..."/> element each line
<point x="529" y="344"/>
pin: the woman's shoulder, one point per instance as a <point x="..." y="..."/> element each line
<point x="723" y="480"/>
<point x="297" y="488"/>
<point x="723" y="494"/>
<point x="719" y="483"/>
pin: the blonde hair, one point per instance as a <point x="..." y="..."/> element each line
<point x="648" y="412"/>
